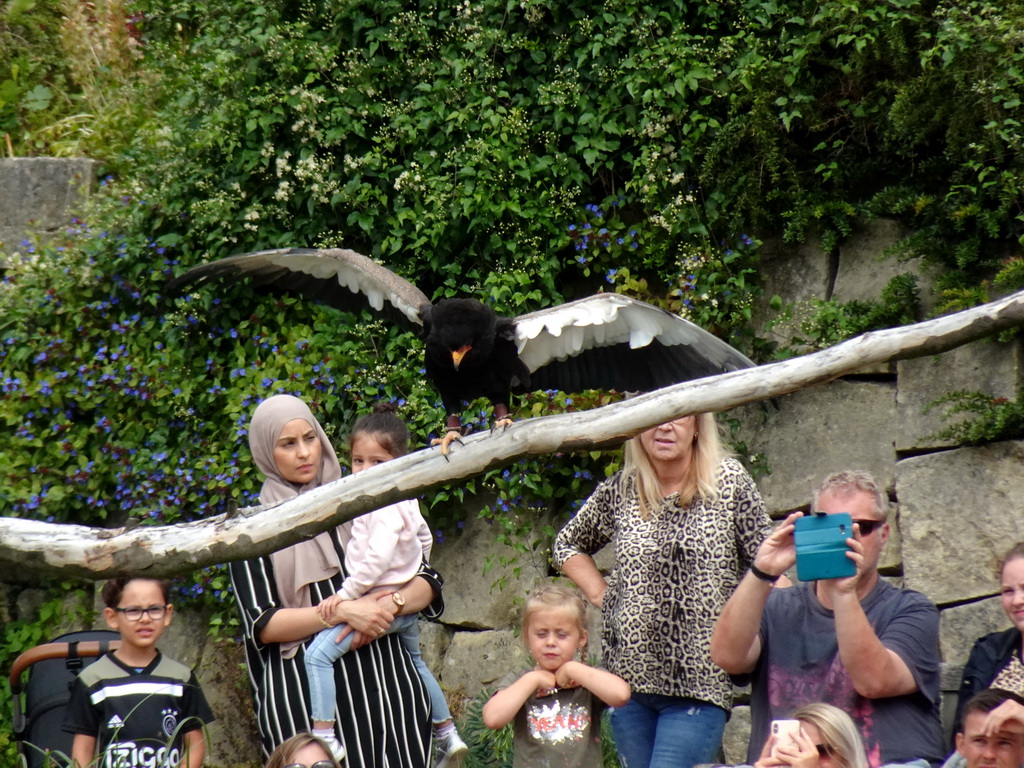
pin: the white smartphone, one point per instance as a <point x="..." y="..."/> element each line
<point x="785" y="732"/>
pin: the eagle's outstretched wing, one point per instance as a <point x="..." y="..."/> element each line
<point x="613" y="342"/>
<point x="605" y="341"/>
<point x="342" y="278"/>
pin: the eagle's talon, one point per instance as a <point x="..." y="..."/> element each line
<point x="503" y="424"/>
<point x="452" y="436"/>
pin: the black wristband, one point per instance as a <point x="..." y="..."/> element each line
<point x="762" y="575"/>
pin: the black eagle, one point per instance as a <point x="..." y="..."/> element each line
<point x="606" y="341"/>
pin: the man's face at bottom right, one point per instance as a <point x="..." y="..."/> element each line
<point x="998" y="750"/>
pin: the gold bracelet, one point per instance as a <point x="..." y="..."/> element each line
<point x="324" y="621"/>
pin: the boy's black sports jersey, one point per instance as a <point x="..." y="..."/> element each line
<point x="139" y="717"/>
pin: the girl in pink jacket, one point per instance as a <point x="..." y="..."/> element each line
<point x="383" y="550"/>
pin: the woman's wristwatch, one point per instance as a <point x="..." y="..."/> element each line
<point x="399" y="601"/>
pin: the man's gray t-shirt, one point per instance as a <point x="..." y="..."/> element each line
<point x="800" y="664"/>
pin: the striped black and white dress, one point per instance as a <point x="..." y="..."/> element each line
<point x="383" y="715"/>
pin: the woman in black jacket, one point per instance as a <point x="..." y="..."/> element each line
<point x="997" y="660"/>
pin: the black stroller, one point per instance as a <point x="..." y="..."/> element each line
<point x="53" y="668"/>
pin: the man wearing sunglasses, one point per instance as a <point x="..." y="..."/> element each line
<point x="857" y="643"/>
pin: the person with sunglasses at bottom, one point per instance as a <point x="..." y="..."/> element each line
<point x="826" y="738"/>
<point x="303" y="750"/>
<point x="858" y="643"/>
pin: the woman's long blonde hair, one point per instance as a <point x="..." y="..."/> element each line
<point x="838" y="733"/>
<point x="708" y="453"/>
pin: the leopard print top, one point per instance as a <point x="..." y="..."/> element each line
<point x="674" y="573"/>
<point x="1011" y="677"/>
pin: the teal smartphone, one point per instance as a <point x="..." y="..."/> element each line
<point x="821" y="546"/>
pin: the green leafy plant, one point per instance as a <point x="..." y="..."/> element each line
<point x="755" y="463"/>
<point x="487" y="748"/>
<point x="71" y="80"/>
<point x="826" y="323"/>
<point x="58" y="759"/>
<point x="989" y="419"/>
<point x="1011" y="274"/>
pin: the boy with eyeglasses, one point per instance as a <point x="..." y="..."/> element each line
<point x="134" y="707"/>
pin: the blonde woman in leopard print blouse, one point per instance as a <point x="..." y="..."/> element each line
<point x="686" y="521"/>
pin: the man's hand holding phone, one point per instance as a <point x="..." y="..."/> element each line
<point x="822" y="546"/>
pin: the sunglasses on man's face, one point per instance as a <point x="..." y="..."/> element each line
<point x="867" y="527"/>
<point x="317" y="764"/>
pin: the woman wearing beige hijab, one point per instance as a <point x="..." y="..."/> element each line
<point x="384" y="716"/>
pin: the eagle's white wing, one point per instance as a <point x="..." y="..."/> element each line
<point x="339" y="277"/>
<point x="610" y="341"/>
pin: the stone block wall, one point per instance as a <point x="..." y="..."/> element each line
<point x="39" y="195"/>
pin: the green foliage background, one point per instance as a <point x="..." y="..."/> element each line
<point x="525" y="152"/>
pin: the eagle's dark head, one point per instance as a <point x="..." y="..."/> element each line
<point x="463" y="330"/>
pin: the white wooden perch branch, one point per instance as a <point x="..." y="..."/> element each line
<point x="29" y="548"/>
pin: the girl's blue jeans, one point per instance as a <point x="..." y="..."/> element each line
<point x="323" y="651"/>
<point x="654" y="731"/>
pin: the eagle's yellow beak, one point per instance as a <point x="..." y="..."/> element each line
<point x="458" y="354"/>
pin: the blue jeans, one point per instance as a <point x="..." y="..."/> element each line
<point x="654" y="731"/>
<point x="323" y="651"/>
